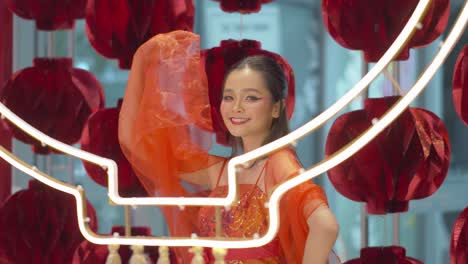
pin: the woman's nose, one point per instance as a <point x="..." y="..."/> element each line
<point x="237" y="107"/>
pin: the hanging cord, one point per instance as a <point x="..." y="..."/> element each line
<point x="241" y="29"/>
<point x="394" y="82"/>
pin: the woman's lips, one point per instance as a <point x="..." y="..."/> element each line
<point x="238" y="121"/>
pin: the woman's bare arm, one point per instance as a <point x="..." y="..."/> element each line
<point x="205" y="177"/>
<point x="323" y="231"/>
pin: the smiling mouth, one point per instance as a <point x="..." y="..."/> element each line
<point x="238" y="121"/>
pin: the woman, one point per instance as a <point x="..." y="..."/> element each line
<point x="166" y="84"/>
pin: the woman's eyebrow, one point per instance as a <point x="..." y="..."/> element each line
<point x="243" y="90"/>
<point x="250" y="90"/>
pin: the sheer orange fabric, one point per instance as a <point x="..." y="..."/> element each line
<point x="295" y="206"/>
<point x="171" y="130"/>
<point x="250" y="216"/>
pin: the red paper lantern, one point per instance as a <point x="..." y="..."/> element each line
<point x="408" y="160"/>
<point x="89" y="253"/>
<point x="116" y="28"/>
<point x="54" y="98"/>
<point x="242" y="6"/>
<point x="460" y="85"/>
<point x="372" y="26"/>
<point x="39" y="225"/>
<point x="384" y="255"/>
<point x="49" y="14"/>
<point x="459" y="239"/>
<point x="219" y="59"/>
<point x="100" y="137"/>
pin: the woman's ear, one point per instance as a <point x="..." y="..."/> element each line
<point x="277" y="108"/>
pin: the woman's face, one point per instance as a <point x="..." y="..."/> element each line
<point x="247" y="105"/>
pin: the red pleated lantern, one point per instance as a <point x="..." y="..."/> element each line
<point x="49" y="14"/>
<point x="218" y="61"/>
<point x="372" y="26"/>
<point x="242" y="6"/>
<point x="40" y="225"/>
<point x="383" y="255"/>
<point x="408" y="160"/>
<point x="459" y="239"/>
<point x="460" y="85"/>
<point x="100" y="137"/>
<point x="89" y="253"/>
<point x="116" y="28"/>
<point x="54" y="98"/>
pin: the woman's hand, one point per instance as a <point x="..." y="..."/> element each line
<point x="133" y="93"/>
<point x="143" y="53"/>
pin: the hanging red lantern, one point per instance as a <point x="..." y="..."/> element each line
<point x="100" y="137"/>
<point x="49" y="14"/>
<point x="116" y="28"/>
<point x="384" y="255"/>
<point x="372" y="26"/>
<point x="39" y="225"/>
<point x="459" y="239"/>
<point x="218" y="60"/>
<point x="54" y="98"/>
<point x="89" y="253"/>
<point x="242" y="6"/>
<point x="408" y="160"/>
<point x="460" y="85"/>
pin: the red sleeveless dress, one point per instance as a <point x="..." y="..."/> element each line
<point x="243" y="220"/>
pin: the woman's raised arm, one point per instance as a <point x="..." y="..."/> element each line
<point x="153" y="134"/>
<point x="133" y="93"/>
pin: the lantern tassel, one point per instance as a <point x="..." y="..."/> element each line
<point x="113" y="257"/>
<point x="219" y="254"/>
<point x="163" y="255"/>
<point x="138" y="256"/>
<point x="197" y="255"/>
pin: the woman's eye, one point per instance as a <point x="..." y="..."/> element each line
<point x="252" y="98"/>
<point x="227" y="98"/>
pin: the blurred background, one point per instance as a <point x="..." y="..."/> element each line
<point x="324" y="71"/>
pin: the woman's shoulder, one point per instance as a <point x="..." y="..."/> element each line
<point x="285" y="154"/>
<point x="282" y="164"/>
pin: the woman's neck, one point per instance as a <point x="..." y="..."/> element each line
<point x="252" y="142"/>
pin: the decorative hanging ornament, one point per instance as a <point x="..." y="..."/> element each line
<point x="40" y="225"/>
<point x="49" y="14"/>
<point x="408" y="160"/>
<point x="89" y="253"/>
<point x="459" y="239"/>
<point x="242" y="6"/>
<point x="383" y="255"/>
<point x="372" y="26"/>
<point x="219" y="60"/>
<point x="54" y="98"/>
<point x="100" y="137"/>
<point x="460" y="85"/>
<point x="116" y="28"/>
